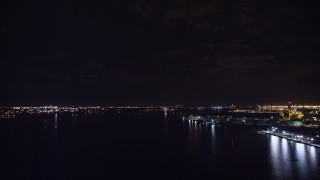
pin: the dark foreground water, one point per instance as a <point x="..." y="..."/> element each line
<point x="146" y="146"/>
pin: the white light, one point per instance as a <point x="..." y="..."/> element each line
<point x="284" y="132"/>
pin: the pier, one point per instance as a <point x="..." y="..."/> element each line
<point x="289" y="138"/>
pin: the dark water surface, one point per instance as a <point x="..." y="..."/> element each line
<point x="146" y="146"/>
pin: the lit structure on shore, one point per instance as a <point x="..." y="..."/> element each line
<point x="273" y="112"/>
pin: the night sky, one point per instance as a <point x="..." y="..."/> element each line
<point x="160" y="52"/>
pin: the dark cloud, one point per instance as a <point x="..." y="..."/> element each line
<point x="160" y="52"/>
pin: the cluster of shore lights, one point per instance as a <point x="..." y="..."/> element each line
<point x="310" y="139"/>
<point x="274" y="129"/>
<point x="292" y="106"/>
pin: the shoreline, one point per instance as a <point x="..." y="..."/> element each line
<point x="291" y="139"/>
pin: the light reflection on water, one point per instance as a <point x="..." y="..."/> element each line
<point x="213" y="132"/>
<point x="292" y="160"/>
<point x="198" y="130"/>
<point x="194" y="131"/>
<point x="56" y="121"/>
<point x="286" y="159"/>
<point x="285" y="154"/>
<point x="313" y="157"/>
<point x="214" y="151"/>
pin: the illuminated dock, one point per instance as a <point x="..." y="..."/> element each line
<point x="297" y="140"/>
